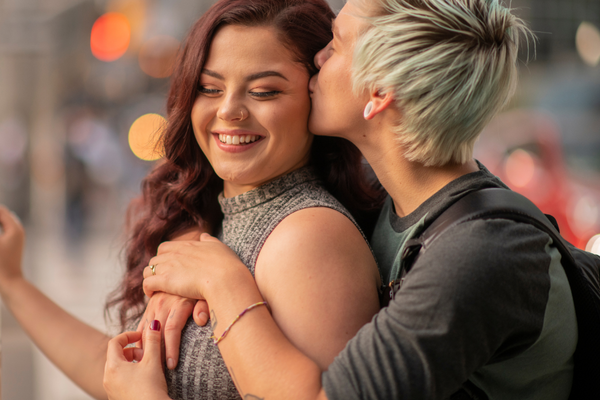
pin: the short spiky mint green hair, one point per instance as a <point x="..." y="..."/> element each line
<point x="451" y="65"/>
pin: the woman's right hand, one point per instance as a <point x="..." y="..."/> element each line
<point x="12" y="240"/>
<point x="144" y="379"/>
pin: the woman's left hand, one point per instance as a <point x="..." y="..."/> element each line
<point x="145" y="379"/>
<point x="188" y="268"/>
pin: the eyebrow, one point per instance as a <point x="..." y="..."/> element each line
<point x="249" y="78"/>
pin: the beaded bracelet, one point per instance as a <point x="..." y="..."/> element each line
<point x="214" y="338"/>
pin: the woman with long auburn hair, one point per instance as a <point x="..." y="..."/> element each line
<point x="240" y="164"/>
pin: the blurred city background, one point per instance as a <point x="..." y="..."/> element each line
<point x="83" y="84"/>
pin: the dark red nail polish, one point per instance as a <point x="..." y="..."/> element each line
<point x="155" y="325"/>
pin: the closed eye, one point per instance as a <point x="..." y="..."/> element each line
<point x="206" y="91"/>
<point x="263" y="95"/>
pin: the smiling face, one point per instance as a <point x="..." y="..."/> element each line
<point x="250" y="116"/>
<point x="337" y="111"/>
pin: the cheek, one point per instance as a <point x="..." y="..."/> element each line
<point x="291" y="115"/>
<point x="200" y="120"/>
<point x="202" y="114"/>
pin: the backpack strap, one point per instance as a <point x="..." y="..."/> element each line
<point x="583" y="275"/>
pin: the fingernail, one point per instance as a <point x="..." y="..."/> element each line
<point x="203" y="317"/>
<point x="170" y="363"/>
<point x="155" y="325"/>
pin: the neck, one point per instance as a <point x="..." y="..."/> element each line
<point x="409" y="184"/>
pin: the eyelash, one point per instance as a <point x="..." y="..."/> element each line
<point x="260" y="95"/>
<point x="272" y="93"/>
<point x="204" y="90"/>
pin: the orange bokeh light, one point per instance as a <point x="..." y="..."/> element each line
<point x="111" y="34"/>
<point x="145" y="135"/>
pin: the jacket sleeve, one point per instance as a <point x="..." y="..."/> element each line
<point x="477" y="296"/>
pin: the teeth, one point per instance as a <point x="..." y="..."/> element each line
<point x="237" y="140"/>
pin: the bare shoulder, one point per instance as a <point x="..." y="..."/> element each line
<point x="321" y="221"/>
<point x="317" y="241"/>
<point x="321" y="228"/>
<point x="320" y="278"/>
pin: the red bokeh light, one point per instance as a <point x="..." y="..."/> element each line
<point x="111" y="34"/>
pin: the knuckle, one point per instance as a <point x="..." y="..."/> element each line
<point x="161" y="247"/>
<point x="171" y="327"/>
<point x="153" y="339"/>
<point x="187" y="302"/>
<point x="160" y="301"/>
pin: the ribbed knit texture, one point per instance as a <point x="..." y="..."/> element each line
<point x="249" y="220"/>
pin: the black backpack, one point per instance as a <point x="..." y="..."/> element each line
<point x="582" y="270"/>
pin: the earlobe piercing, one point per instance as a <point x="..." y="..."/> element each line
<point x="368" y="109"/>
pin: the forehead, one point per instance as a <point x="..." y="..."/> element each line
<point x="243" y="47"/>
<point x="350" y="21"/>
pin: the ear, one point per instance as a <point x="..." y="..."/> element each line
<point x="380" y="103"/>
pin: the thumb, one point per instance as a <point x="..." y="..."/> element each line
<point x="201" y="313"/>
<point x="205" y="237"/>
<point x="152" y="343"/>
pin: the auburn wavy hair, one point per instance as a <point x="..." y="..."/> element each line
<point x="181" y="191"/>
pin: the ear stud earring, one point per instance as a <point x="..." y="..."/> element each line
<point x="368" y="109"/>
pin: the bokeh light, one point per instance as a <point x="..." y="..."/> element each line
<point x="584" y="215"/>
<point x="144" y="136"/>
<point x="520" y="168"/>
<point x="157" y="56"/>
<point x="588" y="43"/>
<point x="593" y="246"/>
<point x="136" y="12"/>
<point x="111" y="34"/>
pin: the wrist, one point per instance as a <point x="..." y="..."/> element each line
<point x="10" y="286"/>
<point x="230" y="294"/>
<point x="233" y="281"/>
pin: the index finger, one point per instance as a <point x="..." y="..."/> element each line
<point x="177" y="246"/>
<point x="117" y="344"/>
<point x="166" y="247"/>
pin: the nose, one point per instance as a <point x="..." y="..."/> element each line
<point x="322" y="56"/>
<point x="232" y="110"/>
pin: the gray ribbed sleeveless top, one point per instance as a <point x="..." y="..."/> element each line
<point x="249" y="220"/>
